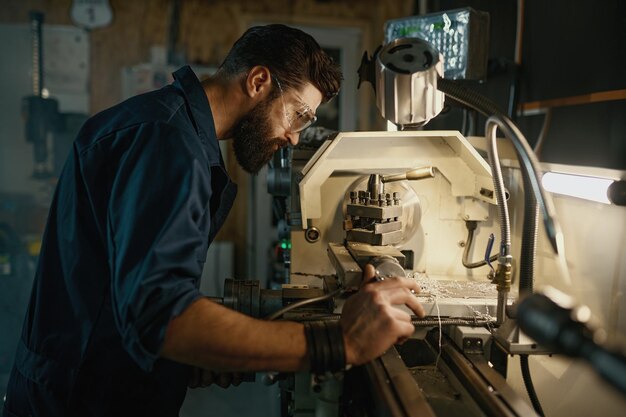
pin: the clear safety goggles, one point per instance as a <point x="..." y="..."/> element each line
<point x="302" y="117"/>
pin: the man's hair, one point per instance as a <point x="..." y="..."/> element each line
<point x="291" y="55"/>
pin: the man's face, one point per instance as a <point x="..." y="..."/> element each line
<point x="253" y="140"/>
<point x="268" y="127"/>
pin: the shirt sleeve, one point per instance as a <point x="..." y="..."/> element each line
<point x="157" y="210"/>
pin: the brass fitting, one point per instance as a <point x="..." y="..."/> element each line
<point x="502" y="278"/>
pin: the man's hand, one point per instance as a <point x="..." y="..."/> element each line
<point x="203" y="378"/>
<point x="371" y="323"/>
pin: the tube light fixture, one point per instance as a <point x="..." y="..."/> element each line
<point x="588" y="188"/>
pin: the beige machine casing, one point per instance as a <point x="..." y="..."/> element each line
<point x="436" y="211"/>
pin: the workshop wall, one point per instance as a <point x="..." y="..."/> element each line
<point x="570" y="48"/>
<point x="553" y="64"/>
<point x="207" y="30"/>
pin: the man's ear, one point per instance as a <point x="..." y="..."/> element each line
<point x="258" y="82"/>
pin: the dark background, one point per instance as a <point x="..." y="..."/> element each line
<point x="569" y="48"/>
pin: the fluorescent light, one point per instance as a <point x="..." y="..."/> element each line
<point x="589" y="188"/>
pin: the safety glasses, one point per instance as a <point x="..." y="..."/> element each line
<point x="302" y="116"/>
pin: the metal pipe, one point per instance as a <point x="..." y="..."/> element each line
<point x="498" y="183"/>
<point x="451" y="322"/>
<point x="503" y="296"/>
<point x="529" y="163"/>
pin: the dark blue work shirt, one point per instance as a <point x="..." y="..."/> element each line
<point x="141" y="196"/>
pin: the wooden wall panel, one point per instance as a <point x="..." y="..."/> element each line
<point x="208" y="28"/>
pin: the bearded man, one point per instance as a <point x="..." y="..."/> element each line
<point x="116" y="323"/>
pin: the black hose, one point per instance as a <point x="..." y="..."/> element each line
<point x="529" y="241"/>
<point x="529" y="383"/>
<point x="527" y="275"/>
<point x="529" y="233"/>
<point x="470" y="98"/>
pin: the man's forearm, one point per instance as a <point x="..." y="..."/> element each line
<point x="211" y="336"/>
<point x="214" y="337"/>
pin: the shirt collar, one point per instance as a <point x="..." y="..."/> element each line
<point x="202" y="117"/>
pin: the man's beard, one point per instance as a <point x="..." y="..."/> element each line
<point x="252" y="143"/>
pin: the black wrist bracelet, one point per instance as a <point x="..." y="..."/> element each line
<point x="322" y="347"/>
<point x="310" y="345"/>
<point x="338" y="345"/>
<point x="325" y="346"/>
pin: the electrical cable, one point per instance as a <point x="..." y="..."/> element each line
<point x="528" y="383"/>
<point x="471" y="226"/>
<point x="308" y="301"/>
<point x="324" y="338"/>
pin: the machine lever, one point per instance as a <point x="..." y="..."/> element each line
<point x="414" y="174"/>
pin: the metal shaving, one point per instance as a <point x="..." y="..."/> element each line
<point x="453" y="289"/>
<point x="435" y="291"/>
